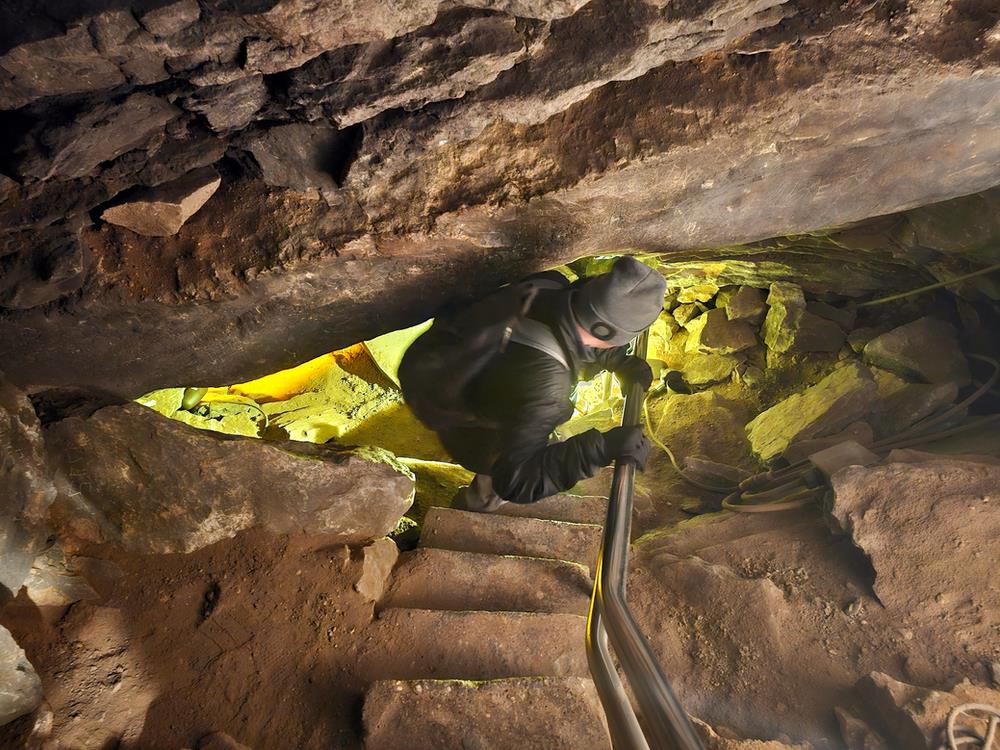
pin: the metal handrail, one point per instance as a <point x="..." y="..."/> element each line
<point x="667" y="726"/>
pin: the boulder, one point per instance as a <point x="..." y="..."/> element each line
<point x="98" y="135"/>
<point x="684" y="313"/>
<point x="916" y="717"/>
<point x="229" y="106"/>
<point x="714" y="332"/>
<point x="725" y="294"/>
<point x="377" y="561"/>
<point x="785" y="305"/>
<point x="298" y="156"/>
<point x="134" y="50"/>
<point x="660" y="333"/>
<point x="791" y="327"/>
<point x="715" y="742"/>
<point x="705" y="369"/>
<point x="462" y="50"/>
<point x="929" y="530"/>
<point x="55" y="265"/>
<point x="857" y="734"/>
<point x="903" y="404"/>
<point x="698" y="293"/>
<point x="842" y="316"/>
<point x="859" y="337"/>
<point x="26" y="487"/>
<point x="65" y="64"/>
<point x="162" y="211"/>
<point x="746" y="304"/>
<point x="54" y="581"/>
<point x="842" y="397"/>
<point x="859" y="432"/>
<point x="171" y="18"/>
<point x="155" y="485"/>
<point x="20" y="688"/>
<point x="925" y="350"/>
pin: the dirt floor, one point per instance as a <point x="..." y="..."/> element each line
<point x="254" y="636"/>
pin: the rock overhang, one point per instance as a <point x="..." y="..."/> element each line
<point x="547" y="133"/>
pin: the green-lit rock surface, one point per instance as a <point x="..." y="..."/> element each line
<point x="704" y="369"/>
<point x="151" y="484"/>
<point x="844" y="396"/>
<point x="790" y="326"/>
<point x="715" y="333"/>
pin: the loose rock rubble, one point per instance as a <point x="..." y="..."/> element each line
<point x="162" y="210"/>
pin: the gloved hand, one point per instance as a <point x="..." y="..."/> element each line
<point x="626" y="444"/>
<point x="634" y="370"/>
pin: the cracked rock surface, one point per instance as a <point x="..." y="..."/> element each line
<point x="433" y="143"/>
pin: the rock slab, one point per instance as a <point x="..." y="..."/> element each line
<point x="515" y="714"/>
<point x="925" y="351"/>
<point x="715" y="333"/>
<point x="162" y="211"/>
<point x="791" y="327"/>
<point x="930" y="531"/>
<point x="746" y="304"/>
<point x="155" y="485"/>
<point x="842" y="397"/>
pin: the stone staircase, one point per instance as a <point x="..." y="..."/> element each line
<point x="479" y="642"/>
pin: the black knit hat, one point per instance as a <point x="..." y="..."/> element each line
<point x="617" y="305"/>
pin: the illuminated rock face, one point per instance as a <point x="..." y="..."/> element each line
<point x="458" y="148"/>
<point x="845" y="396"/>
<point x="151" y="484"/>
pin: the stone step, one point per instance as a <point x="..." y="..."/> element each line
<point x="571" y="508"/>
<point x="418" y="643"/>
<point x="543" y="713"/>
<point x="461" y="530"/>
<point x="429" y="578"/>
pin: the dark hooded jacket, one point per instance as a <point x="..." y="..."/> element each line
<point x="522" y="396"/>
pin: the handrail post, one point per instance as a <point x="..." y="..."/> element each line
<point x="667" y="725"/>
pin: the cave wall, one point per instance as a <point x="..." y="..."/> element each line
<point x="378" y="159"/>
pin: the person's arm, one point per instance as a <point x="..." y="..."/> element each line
<point x="529" y="467"/>
<point x="535" y="469"/>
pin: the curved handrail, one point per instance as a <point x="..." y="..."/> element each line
<point x="667" y="726"/>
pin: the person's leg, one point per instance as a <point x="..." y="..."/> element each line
<point x="478" y="496"/>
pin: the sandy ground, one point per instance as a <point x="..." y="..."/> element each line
<point x="254" y="636"/>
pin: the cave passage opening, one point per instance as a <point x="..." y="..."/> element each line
<point x="799" y="348"/>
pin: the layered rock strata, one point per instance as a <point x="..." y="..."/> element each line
<point x="494" y="141"/>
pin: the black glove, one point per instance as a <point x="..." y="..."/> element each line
<point x="634" y="370"/>
<point x="626" y="444"/>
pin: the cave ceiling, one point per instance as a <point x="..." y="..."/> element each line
<point x="377" y="159"/>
